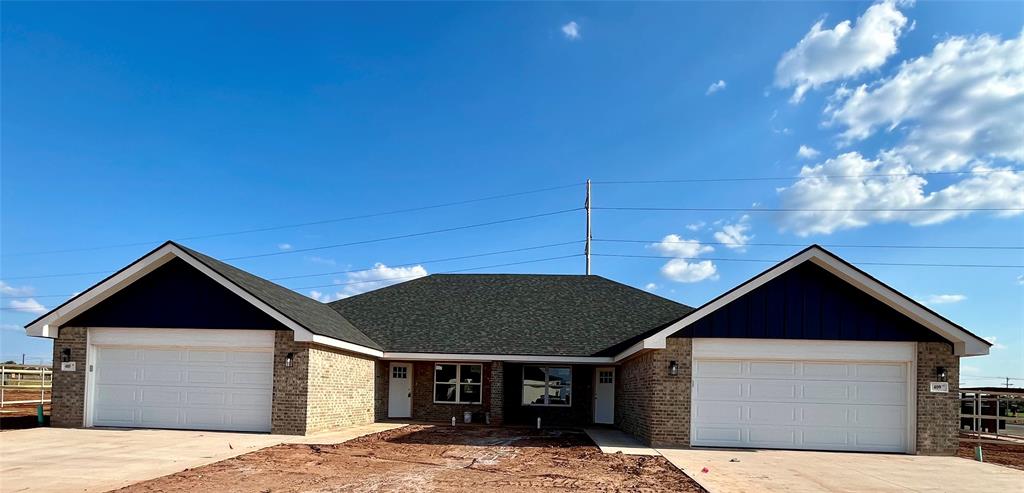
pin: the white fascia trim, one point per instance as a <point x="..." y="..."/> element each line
<point x="964" y="344"/>
<point x="348" y="346"/>
<point x="48" y="325"/>
<point x="497" y="357"/>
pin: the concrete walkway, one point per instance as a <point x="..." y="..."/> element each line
<point x="797" y="472"/>
<point x="102" y="459"/>
<point x="612" y="441"/>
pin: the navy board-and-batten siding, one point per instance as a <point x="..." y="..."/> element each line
<point x="175" y="295"/>
<point x="809" y="302"/>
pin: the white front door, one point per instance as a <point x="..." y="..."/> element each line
<point x="193" y="379"/>
<point x="400" y="391"/>
<point x="604" y="395"/>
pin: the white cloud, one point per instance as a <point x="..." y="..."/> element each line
<point x="735" y="236"/>
<point x="684" y="269"/>
<point x="8" y="290"/>
<point x="807" y="152"/>
<point x="995" y="343"/>
<point x="845" y="51"/>
<point x="29" y="305"/>
<point x="970" y="370"/>
<point x="11" y="327"/>
<point x="284" y="246"/>
<point x="367" y="280"/>
<point x="700" y="224"/>
<point x="944" y="299"/>
<point x="962" y="103"/>
<point x="1020" y="279"/>
<point x="651" y="287"/>
<point x="831" y="197"/>
<point x="676" y="246"/>
<point x="715" y="87"/>
<point x="571" y="30"/>
<point x="681" y="270"/>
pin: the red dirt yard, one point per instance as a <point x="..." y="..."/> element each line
<point x="434" y="458"/>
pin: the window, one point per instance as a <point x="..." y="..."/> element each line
<point x="399" y="372"/>
<point x="605" y="376"/>
<point x="547" y="386"/>
<point x="458" y="384"/>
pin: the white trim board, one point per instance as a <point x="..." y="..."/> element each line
<point x="48" y="325"/>
<point x="455" y="357"/>
<point x="964" y="343"/>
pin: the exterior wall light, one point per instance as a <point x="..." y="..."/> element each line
<point x="65" y="355"/>
<point x="288" y="359"/>
<point x="940" y="374"/>
<point x="673" y="367"/>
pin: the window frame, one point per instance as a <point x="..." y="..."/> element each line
<point x="458" y="383"/>
<point x="547" y="385"/>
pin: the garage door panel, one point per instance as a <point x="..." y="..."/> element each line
<point x="819" y="405"/>
<point x="181" y="387"/>
<point x="778" y="436"/>
<point x="724" y="435"/>
<point x="718" y="412"/>
<point x="771" y="413"/>
<point x="713" y="368"/>
<point x="772" y="391"/>
<point x="771" y="369"/>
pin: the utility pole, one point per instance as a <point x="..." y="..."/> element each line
<point x="1007" y="382"/>
<point x="586" y="249"/>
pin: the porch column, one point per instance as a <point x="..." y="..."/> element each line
<point x="497" y="393"/>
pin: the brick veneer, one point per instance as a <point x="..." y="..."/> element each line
<point x="652" y="404"/>
<point x="68" y="392"/>
<point x="324" y="389"/>
<point x="423" y="406"/>
<point x="937" y="413"/>
<point x="497" y="393"/>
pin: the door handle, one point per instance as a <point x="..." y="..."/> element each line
<point x="409" y="394"/>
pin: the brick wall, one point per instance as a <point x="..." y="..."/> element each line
<point x="938" y="417"/>
<point x="288" y="409"/>
<point x="341" y="389"/>
<point x="68" y="394"/>
<point x="423" y="406"/>
<point x="650" y="403"/>
<point x="324" y="389"/>
<point x="497" y="393"/>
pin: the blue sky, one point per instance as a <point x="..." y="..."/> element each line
<point x="128" y="123"/>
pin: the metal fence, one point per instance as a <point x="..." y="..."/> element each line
<point x="19" y="381"/>
<point x="990" y="416"/>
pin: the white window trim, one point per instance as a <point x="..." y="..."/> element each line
<point x="458" y="382"/>
<point x="522" y="383"/>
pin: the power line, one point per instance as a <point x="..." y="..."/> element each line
<point x="787" y="178"/>
<point x="832" y="245"/>
<point x="785" y="209"/>
<point x="303" y="224"/>
<point x="350" y="271"/>
<point x="720" y="259"/>
<point x="492" y="266"/>
<point x="340" y="245"/>
<point x="408" y="235"/>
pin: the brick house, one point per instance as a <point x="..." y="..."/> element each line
<point x="812" y="353"/>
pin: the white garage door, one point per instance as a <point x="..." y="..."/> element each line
<point x="769" y="395"/>
<point x="182" y="378"/>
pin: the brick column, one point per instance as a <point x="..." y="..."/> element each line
<point x="288" y="409"/>
<point x="938" y="414"/>
<point x="497" y="393"/>
<point x="68" y="392"/>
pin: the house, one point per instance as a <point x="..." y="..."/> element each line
<point x="812" y="353"/>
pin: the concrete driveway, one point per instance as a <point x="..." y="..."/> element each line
<point x="793" y="471"/>
<point x="75" y="460"/>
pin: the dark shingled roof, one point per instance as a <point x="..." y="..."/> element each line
<point x="317" y="317"/>
<point x="511" y="314"/>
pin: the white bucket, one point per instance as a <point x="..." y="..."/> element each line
<point x="467" y="417"/>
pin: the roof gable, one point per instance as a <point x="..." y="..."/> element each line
<point x="964" y="342"/>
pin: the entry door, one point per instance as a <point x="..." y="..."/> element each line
<point x="604" y="396"/>
<point x="400" y="391"/>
